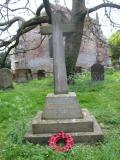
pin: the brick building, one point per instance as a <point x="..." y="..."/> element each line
<point x="33" y="55"/>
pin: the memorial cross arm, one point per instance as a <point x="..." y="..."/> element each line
<point x="66" y="28"/>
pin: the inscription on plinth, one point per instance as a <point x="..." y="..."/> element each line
<point x="62" y="106"/>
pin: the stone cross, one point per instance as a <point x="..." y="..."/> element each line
<point x="62" y="111"/>
<point x="59" y="68"/>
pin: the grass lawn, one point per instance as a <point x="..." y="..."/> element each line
<point x="19" y="105"/>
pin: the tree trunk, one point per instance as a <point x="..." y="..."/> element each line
<point x="73" y="40"/>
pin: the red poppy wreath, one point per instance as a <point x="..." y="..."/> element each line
<point x="61" y="136"/>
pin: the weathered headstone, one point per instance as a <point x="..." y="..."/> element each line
<point x="41" y="74"/>
<point x="22" y="75"/>
<point x="5" y="78"/>
<point x="78" y="69"/>
<point x="62" y="111"/>
<point x="97" y="72"/>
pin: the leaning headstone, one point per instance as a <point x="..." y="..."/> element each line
<point x="5" y="78"/>
<point x="97" y="72"/>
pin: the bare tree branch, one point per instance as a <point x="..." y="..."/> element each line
<point x="39" y="9"/>
<point x="10" y="22"/>
<point x="16" y="9"/>
<point x="47" y="9"/>
<point x="103" y="5"/>
<point x="26" y="26"/>
<point x="38" y="46"/>
<point x="31" y="22"/>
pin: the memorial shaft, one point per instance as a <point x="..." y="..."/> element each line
<point x="60" y="76"/>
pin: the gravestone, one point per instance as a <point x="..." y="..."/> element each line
<point x="97" y="72"/>
<point x="5" y="78"/>
<point x="78" y="69"/>
<point x="41" y="74"/>
<point x="23" y="75"/>
<point x="62" y="111"/>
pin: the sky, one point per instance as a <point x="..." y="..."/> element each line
<point x="106" y="26"/>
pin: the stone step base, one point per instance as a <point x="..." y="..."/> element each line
<point x="67" y="125"/>
<point x="79" y="137"/>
